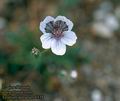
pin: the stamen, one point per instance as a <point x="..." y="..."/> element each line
<point x="56" y="28"/>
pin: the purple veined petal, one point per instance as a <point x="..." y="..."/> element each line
<point x="58" y="47"/>
<point x="69" y="38"/>
<point x="68" y="22"/>
<point x="44" y="22"/>
<point x="46" y="40"/>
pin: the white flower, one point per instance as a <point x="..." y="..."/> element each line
<point x="96" y="95"/>
<point x="73" y="74"/>
<point x="57" y="34"/>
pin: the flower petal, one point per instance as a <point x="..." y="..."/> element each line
<point x="68" y="22"/>
<point x="69" y="38"/>
<point x="44" y="22"/>
<point x="46" y="40"/>
<point x="58" y="47"/>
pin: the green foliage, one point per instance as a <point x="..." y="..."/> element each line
<point x="24" y="40"/>
<point x="70" y="3"/>
<point x="66" y="5"/>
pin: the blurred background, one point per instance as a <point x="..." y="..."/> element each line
<point x="89" y="71"/>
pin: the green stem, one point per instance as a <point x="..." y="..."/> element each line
<point x="43" y="52"/>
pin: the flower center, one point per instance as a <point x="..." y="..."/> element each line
<point x="56" y="28"/>
<point x="57" y="32"/>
